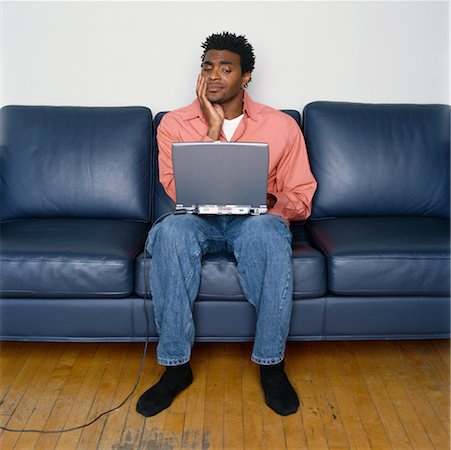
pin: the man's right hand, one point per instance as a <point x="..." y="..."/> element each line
<point x="213" y="112"/>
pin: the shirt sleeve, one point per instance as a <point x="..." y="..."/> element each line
<point x="295" y="184"/>
<point x="169" y="131"/>
<point x="165" y="140"/>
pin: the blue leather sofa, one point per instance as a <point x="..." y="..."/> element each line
<point x="79" y="190"/>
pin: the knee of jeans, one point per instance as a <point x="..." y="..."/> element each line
<point x="177" y="229"/>
<point x="266" y="228"/>
<point x="266" y="235"/>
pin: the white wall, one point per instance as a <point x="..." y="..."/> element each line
<point x="148" y="53"/>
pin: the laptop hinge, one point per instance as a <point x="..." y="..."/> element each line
<point x="218" y="210"/>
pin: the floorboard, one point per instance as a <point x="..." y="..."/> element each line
<point x="353" y="394"/>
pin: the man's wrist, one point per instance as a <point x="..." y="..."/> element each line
<point x="214" y="133"/>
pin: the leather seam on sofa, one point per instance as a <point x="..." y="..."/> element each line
<point x="70" y="261"/>
<point x="388" y="258"/>
<point x="369" y="293"/>
<point x="54" y="294"/>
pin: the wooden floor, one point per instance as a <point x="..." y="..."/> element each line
<point x="354" y="395"/>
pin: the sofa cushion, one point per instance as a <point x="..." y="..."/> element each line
<point x="219" y="280"/>
<point x="385" y="255"/>
<point x="379" y="160"/>
<point x="75" y="162"/>
<point x="69" y="257"/>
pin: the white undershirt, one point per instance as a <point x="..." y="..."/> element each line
<point x="229" y="126"/>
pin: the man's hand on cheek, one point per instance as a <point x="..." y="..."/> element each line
<point x="214" y="114"/>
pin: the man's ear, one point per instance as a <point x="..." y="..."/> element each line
<point x="245" y="79"/>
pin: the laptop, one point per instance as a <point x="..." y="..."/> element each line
<point x="221" y="177"/>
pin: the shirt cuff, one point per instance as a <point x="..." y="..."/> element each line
<point x="278" y="208"/>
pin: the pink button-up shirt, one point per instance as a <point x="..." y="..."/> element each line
<point x="290" y="179"/>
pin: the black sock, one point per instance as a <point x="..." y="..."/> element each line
<point x="280" y="395"/>
<point x="160" y="396"/>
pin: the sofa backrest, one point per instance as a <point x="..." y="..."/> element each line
<point x="162" y="203"/>
<point x="91" y="162"/>
<point x="379" y="159"/>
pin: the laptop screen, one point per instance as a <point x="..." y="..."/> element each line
<point x="220" y="173"/>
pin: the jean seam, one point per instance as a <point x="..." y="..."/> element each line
<point x="280" y="344"/>
<point x="191" y="273"/>
<point x="282" y="303"/>
<point x="246" y="294"/>
<point x="193" y="257"/>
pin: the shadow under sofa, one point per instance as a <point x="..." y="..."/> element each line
<point x="80" y="190"/>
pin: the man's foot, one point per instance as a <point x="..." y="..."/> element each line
<point x="280" y="395"/>
<point x="160" y="396"/>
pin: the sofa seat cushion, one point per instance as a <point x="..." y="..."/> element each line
<point x="219" y="280"/>
<point x="69" y="257"/>
<point x="385" y="255"/>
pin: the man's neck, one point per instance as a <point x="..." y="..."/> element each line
<point x="234" y="108"/>
<point x="233" y="114"/>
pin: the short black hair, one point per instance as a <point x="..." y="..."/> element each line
<point x="233" y="43"/>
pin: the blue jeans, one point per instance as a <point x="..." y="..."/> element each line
<point x="262" y="248"/>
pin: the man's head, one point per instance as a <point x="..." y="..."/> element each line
<point x="227" y="63"/>
<point x="232" y="43"/>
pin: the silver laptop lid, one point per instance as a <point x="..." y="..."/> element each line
<point x="221" y="177"/>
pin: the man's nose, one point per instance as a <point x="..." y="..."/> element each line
<point x="214" y="74"/>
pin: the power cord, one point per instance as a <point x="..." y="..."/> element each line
<point x="143" y="358"/>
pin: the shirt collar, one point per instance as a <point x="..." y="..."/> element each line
<point x="250" y="107"/>
<point x="194" y="111"/>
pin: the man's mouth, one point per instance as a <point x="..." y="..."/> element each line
<point x="214" y="87"/>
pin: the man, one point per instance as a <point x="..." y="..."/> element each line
<point x="261" y="244"/>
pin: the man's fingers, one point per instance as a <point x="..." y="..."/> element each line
<point x="201" y="88"/>
<point x="219" y="111"/>
<point x="212" y="112"/>
<point x="202" y="94"/>
<point x="198" y="90"/>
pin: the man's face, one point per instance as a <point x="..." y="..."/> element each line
<point x="222" y="72"/>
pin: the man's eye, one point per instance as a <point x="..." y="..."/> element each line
<point x="227" y="70"/>
<point x="206" y="69"/>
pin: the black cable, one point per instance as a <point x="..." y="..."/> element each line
<point x="143" y="358"/>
